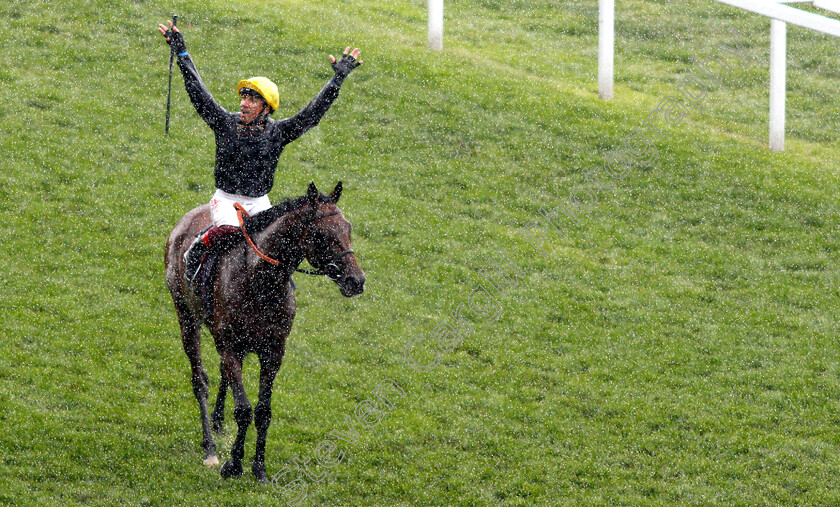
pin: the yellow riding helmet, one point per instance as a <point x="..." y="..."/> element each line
<point x="264" y="87"/>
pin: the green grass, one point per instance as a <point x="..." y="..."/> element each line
<point x="678" y="346"/>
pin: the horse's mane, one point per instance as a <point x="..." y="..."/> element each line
<point x="263" y="219"/>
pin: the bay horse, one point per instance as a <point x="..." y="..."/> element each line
<point x="254" y="304"/>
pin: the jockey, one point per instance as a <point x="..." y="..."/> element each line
<point x="248" y="143"/>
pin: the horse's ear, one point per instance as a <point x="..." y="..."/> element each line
<point x="336" y="193"/>
<point x="312" y="193"/>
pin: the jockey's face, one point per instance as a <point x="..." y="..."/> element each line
<point x="251" y="107"/>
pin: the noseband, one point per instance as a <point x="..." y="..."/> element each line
<point x="321" y="272"/>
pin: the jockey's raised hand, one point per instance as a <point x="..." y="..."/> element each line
<point x="174" y="37"/>
<point x="349" y="61"/>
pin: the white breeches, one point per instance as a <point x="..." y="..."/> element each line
<point x="222" y="211"/>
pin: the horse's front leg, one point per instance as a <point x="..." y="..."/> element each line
<point x="269" y="364"/>
<point x="232" y="368"/>
<point x="218" y="415"/>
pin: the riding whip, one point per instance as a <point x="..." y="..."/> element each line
<point x="169" y="92"/>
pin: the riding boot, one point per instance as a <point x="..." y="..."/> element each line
<point x="216" y="239"/>
<point x="194" y="257"/>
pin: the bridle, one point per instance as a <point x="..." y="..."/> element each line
<point x="241" y="213"/>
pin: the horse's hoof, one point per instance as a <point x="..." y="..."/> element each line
<point x="259" y="472"/>
<point x="211" y="461"/>
<point x="231" y="469"/>
<point x="218" y="428"/>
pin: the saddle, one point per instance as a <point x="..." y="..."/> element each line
<point x="202" y="283"/>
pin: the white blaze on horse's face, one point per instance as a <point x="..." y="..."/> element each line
<point x="329" y="251"/>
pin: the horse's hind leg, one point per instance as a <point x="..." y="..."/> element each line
<point x="191" y="337"/>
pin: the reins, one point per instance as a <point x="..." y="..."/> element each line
<point x="241" y="213"/>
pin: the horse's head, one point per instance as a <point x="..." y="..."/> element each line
<point x="327" y="245"/>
